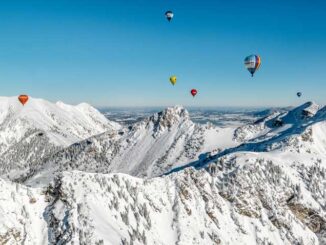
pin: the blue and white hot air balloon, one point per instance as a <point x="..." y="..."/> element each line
<point x="169" y="15"/>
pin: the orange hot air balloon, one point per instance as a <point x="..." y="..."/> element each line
<point x="23" y="99"/>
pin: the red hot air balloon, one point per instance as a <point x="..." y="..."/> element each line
<point x="23" y="99"/>
<point x="193" y="92"/>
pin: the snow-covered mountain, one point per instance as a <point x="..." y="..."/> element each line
<point x="280" y="123"/>
<point x="40" y="128"/>
<point x="151" y="147"/>
<point x="239" y="204"/>
<point x="265" y="185"/>
<point x="297" y="134"/>
<point x="233" y="202"/>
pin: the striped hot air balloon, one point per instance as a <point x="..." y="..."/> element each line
<point x="252" y="63"/>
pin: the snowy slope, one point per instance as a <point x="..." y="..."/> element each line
<point x="40" y="128"/>
<point x="279" y="123"/>
<point x="233" y="202"/>
<point x="21" y="214"/>
<point x="192" y="207"/>
<point x="297" y="134"/>
<point x="148" y="148"/>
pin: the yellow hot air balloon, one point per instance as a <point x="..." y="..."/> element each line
<point x="173" y="80"/>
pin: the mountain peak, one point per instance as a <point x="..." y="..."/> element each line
<point x="309" y="106"/>
<point x="175" y="112"/>
<point x="302" y="112"/>
<point x="169" y="117"/>
<point x="84" y="105"/>
<point x="311" y="109"/>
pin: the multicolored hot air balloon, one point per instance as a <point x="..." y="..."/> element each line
<point x="252" y="63"/>
<point x="23" y="99"/>
<point x="299" y="94"/>
<point x="169" y="15"/>
<point x="193" y="92"/>
<point x="173" y="80"/>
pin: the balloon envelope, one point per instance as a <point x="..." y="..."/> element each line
<point x="252" y="63"/>
<point x="193" y="92"/>
<point x="299" y="94"/>
<point x="173" y="80"/>
<point x="23" y="99"/>
<point x="169" y="15"/>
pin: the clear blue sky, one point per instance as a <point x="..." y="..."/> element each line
<point x="121" y="53"/>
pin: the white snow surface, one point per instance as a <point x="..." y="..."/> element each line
<point x="263" y="183"/>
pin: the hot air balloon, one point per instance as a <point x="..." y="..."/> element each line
<point x="23" y="99"/>
<point x="252" y="63"/>
<point x="173" y="80"/>
<point x="299" y="94"/>
<point x="193" y="92"/>
<point x="169" y="15"/>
